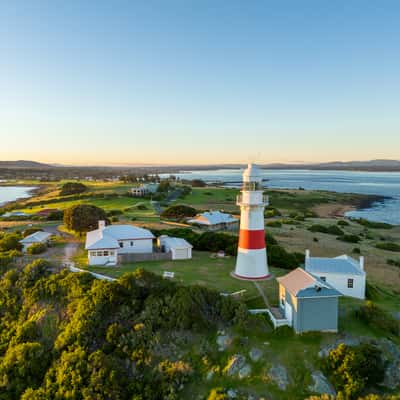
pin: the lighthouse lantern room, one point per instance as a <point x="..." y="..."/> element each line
<point x="251" y="262"/>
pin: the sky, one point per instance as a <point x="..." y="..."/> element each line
<point x="199" y="81"/>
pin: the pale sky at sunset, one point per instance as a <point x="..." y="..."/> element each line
<point x="174" y="82"/>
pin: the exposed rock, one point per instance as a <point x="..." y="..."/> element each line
<point x="320" y="384"/>
<point x="392" y="376"/>
<point x="210" y="375"/>
<point x="223" y="342"/>
<point x="245" y="371"/>
<point x="279" y="375"/>
<point x="255" y="354"/>
<point x="232" y="393"/>
<point x="235" y="364"/>
<point x="347" y="340"/>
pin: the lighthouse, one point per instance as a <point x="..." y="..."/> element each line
<point x="251" y="262"/>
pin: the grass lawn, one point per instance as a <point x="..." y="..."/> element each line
<point x="213" y="198"/>
<point x="202" y="269"/>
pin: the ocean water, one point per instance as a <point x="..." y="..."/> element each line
<point x="10" y="193"/>
<point x="378" y="183"/>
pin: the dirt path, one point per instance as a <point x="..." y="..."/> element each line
<point x="262" y="293"/>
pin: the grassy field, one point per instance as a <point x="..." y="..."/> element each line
<point x="203" y="269"/>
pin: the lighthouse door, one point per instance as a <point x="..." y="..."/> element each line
<point x="289" y="313"/>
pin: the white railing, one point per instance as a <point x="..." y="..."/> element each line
<point x="248" y="199"/>
<point x="98" y="276"/>
<point x="277" y="322"/>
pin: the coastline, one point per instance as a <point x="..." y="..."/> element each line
<point x="9" y="205"/>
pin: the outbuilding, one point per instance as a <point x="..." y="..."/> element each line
<point x="215" y="220"/>
<point x="344" y="273"/>
<point x="180" y="248"/>
<point x="34" y="238"/>
<point x="307" y="303"/>
<point x="105" y="243"/>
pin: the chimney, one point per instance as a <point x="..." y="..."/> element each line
<point x="362" y="262"/>
<point x="102" y="224"/>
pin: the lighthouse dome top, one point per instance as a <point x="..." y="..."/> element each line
<point x="252" y="173"/>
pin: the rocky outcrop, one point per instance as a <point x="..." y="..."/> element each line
<point x="320" y="384"/>
<point x="255" y="354"/>
<point x="223" y="341"/>
<point x="279" y="375"/>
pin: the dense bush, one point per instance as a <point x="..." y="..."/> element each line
<point x="10" y="241"/>
<point x="178" y="212"/>
<point x="84" y="217"/>
<point x="378" y="318"/>
<point x="332" y="229"/>
<point x="373" y="224"/>
<point x="198" y="183"/>
<point x="391" y="261"/>
<point x="56" y="215"/>
<point x="342" y="222"/>
<point x="113" y="213"/>
<point x="37" y="248"/>
<point x="349" y="238"/>
<point x="352" y="369"/>
<point x="274" y="224"/>
<point x="115" y="340"/>
<point x="388" y="246"/>
<point x="72" y="188"/>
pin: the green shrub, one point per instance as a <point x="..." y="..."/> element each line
<point x="72" y="188"/>
<point x="10" y="241"/>
<point x="393" y="262"/>
<point x="332" y="229"/>
<point x="353" y="369"/>
<point x="114" y="219"/>
<point x="388" y="246"/>
<point x="274" y="224"/>
<point x="142" y="207"/>
<point x="373" y="224"/>
<point x="178" y="212"/>
<point x="356" y="250"/>
<point x="342" y="222"/>
<point x="378" y="318"/>
<point x="113" y="213"/>
<point x="36" y="248"/>
<point x="349" y="238"/>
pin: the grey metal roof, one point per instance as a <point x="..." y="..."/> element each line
<point x="301" y="284"/>
<point x="339" y="265"/>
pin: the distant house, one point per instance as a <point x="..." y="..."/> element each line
<point x="180" y="249"/>
<point x="37" y="237"/>
<point x="306" y="303"/>
<point x="105" y="243"/>
<point x="12" y="214"/>
<point x="45" y="212"/>
<point x="344" y="273"/>
<point x="144" y="189"/>
<point x="215" y="220"/>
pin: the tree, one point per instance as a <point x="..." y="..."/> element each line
<point x="72" y="188"/>
<point x="179" y="212"/>
<point x="10" y="241"/>
<point x="84" y="217"/>
<point x="23" y="366"/>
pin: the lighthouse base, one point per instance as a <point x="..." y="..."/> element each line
<point x="251" y="265"/>
<point x="245" y="278"/>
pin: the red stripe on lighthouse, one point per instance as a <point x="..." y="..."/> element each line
<point x="252" y="240"/>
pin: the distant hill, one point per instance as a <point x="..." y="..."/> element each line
<point x="23" y="164"/>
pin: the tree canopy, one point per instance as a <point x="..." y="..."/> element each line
<point x="84" y="217"/>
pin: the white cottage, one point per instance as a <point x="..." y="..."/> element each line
<point x="105" y="243"/>
<point x="344" y="273"/>
<point x="215" y="220"/>
<point x="37" y="237"/>
<point x="180" y="249"/>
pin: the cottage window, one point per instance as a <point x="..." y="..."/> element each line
<point x="350" y="283"/>
<point x="131" y="244"/>
<point x="121" y="244"/>
<point x="323" y="278"/>
<point x="106" y="253"/>
<point x="99" y="254"/>
<point x="93" y="253"/>
<point x="111" y="253"/>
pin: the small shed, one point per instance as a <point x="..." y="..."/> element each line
<point x="37" y="237"/>
<point x="180" y="249"/>
<point x="215" y="220"/>
<point x="308" y="303"/>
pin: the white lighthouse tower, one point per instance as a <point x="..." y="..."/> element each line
<point x="251" y="262"/>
